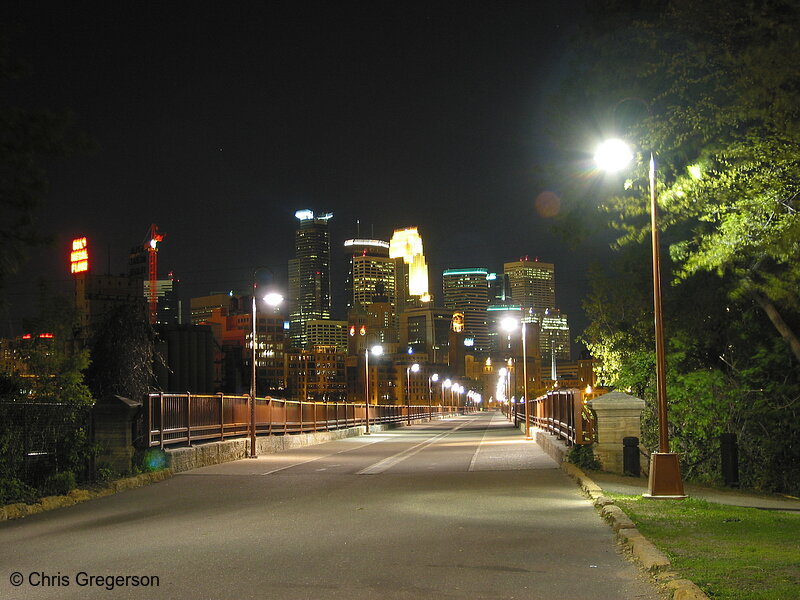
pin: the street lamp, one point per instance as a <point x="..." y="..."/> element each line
<point x="665" y="470"/>
<point x="510" y="324"/>
<point x="377" y="350"/>
<point x="409" y="369"/>
<point x="446" y="384"/>
<point x="431" y="380"/>
<point x="273" y="299"/>
<point x="501" y="390"/>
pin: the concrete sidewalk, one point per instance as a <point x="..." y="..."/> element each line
<point x="635" y="486"/>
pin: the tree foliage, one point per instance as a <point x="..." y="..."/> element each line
<point x="713" y="90"/>
<point x="122" y="354"/>
<point x="44" y="403"/>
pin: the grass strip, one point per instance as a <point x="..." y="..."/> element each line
<point x="730" y="552"/>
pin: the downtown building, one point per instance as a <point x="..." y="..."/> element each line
<point x="370" y="273"/>
<point x="309" y="275"/>
<point x="532" y="283"/>
<point x="411" y="270"/>
<point x="466" y="291"/>
<point x="533" y="288"/>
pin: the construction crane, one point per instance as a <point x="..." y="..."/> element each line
<point x="151" y="245"/>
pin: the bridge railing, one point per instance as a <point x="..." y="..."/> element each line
<point x="185" y="418"/>
<point x="562" y="413"/>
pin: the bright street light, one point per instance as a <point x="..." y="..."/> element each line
<point x="510" y="325"/>
<point x="409" y="369"/>
<point x="273" y="299"/>
<point x="431" y="380"/>
<point x="612" y="155"/>
<point x="665" y="470"/>
<point x="377" y="350"/>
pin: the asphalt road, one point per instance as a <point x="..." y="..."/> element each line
<point x="460" y="508"/>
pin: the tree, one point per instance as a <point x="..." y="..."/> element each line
<point x="122" y="354"/>
<point x="44" y="403"/>
<point x="721" y="84"/>
<point x="714" y="90"/>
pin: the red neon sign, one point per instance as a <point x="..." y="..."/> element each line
<point x="79" y="257"/>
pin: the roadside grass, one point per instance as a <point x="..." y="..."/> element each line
<point x="730" y="552"/>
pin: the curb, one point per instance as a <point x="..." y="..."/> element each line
<point x="22" y="510"/>
<point x="651" y="558"/>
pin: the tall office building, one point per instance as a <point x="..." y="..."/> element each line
<point x="532" y="283"/>
<point x="467" y="291"/>
<point x="328" y="333"/>
<point x="309" y="275"/>
<point x="411" y="270"/>
<point x="370" y="273"/>
<point x="554" y="340"/>
<point x="426" y="330"/>
<point x="170" y="307"/>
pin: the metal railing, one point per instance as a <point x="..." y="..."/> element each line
<point x="187" y="418"/>
<point x="562" y="413"/>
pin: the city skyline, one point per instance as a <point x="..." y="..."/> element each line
<point x="218" y="133"/>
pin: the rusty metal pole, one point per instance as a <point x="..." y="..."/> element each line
<point x="366" y="389"/>
<point x="525" y="385"/>
<point x="665" y="474"/>
<point x="253" y="452"/>
<point x="408" y="395"/>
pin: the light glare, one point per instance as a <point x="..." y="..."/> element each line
<point x="273" y="299"/>
<point x="612" y="155"/>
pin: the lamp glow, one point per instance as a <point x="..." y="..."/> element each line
<point x="273" y="299"/>
<point x="612" y="155"/>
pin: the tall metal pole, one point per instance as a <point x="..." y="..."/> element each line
<point x="665" y="476"/>
<point x="525" y="385"/>
<point x="253" y="452"/>
<point x="661" y="380"/>
<point x="408" y="394"/>
<point x="366" y="389"/>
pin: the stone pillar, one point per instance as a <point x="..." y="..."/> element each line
<point x="113" y="431"/>
<point x="617" y="415"/>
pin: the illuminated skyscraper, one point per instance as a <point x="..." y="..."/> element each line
<point x="309" y="275"/>
<point x="467" y="291"/>
<point x="370" y="273"/>
<point x="412" y="271"/>
<point x="554" y="340"/>
<point x="532" y="283"/>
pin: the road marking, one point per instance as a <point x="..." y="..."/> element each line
<point x="478" y="449"/>
<point x="390" y="461"/>
<point x="373" y="440"/>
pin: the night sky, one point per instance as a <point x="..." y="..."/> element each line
<point x="218" y="120"/>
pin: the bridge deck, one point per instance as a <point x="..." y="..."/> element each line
<point x="460" y="508"/>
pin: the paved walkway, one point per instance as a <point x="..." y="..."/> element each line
<point x="619" y="484"/>
<point x="463" y="508"/>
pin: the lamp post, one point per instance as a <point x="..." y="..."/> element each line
<point x="377" y="350"/>
<point x="445" y="384"/>
<point x="409" y="369"/>
<point x="665" y="471"/>
<point x="510" y="324"/>
<point x="502" y="388"/>
<point x="431" y="380"/>
<point x="273" y="299"/>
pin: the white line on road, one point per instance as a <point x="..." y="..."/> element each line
<point x="478" y="449"/>
<point x="320" y="456"/>
<point x="390" y="461"/>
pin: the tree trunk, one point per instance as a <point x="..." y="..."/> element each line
<point x="779" y="324"/>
